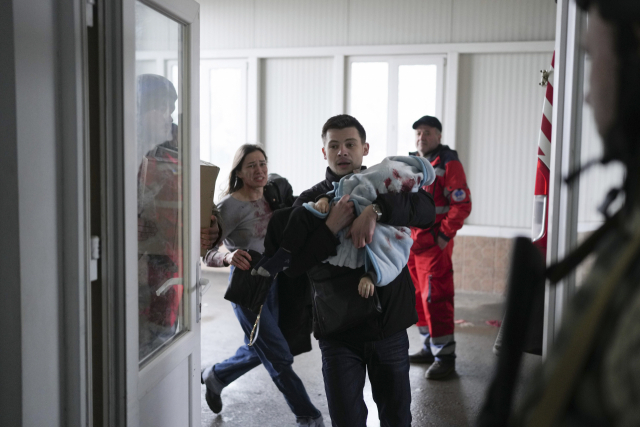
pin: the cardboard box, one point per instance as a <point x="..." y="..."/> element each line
<point x="208" y="176"/>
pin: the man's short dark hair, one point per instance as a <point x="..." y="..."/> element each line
<point x="343" y="121"/>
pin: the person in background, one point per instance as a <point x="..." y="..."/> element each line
<point x="159" y="251"/>
<point x="245" y="214"/>
<point x="160" y="254"/>
<point x="430" y="260"/>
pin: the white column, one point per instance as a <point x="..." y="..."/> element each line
<point x="565" y="157"/>
<point x="339" y="83"/>
<point x="254" y="88"/>
<point x="450" y="121"/>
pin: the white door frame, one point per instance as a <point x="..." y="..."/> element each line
<point x="75" y="243"/>
<point x="566" y="143"/>
<point x="43" y="117"/>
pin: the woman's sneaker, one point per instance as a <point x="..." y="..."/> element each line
<point x="214" y="401"/>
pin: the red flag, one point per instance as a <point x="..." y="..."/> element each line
<point x="541" y="193"/>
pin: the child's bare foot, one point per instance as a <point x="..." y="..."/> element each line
<point x="366" y="287"/>
<point x="322" y="205"/>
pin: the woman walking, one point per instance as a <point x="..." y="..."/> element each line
<point x="245" y="214"/>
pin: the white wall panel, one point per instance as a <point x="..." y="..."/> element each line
<point x="227" y="24"/>
<point x="297" y="101"/>
<point x="243" y="24"/>
<point x="295" y="23"/>
<point x="503" y="20"/>
<point x="499" y="114"/>
<point x="374" y="22"/>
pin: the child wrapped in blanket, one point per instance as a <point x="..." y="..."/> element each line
<point x="388" y="251"/>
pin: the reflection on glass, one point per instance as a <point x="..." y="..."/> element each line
<point x="174" y="77"/>
<point x="417" y="86"/>
<point x="160" y="207"/>
<point x="228" y="116"/>
<point x="369" y="95"/>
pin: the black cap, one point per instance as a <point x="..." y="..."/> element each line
<point x="429" y="121"/>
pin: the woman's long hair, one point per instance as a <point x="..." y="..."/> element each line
<point x="236" y="183"/>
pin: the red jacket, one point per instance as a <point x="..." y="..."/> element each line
<point x="451" y="196"/>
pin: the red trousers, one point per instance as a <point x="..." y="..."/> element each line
<point x="432" y="274"/>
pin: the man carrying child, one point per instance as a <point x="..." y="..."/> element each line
<point x="378" y="345"/>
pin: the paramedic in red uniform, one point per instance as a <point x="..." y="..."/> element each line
<point x="430" y="258"/>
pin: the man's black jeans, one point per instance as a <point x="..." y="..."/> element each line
<point x="344" y="367"/>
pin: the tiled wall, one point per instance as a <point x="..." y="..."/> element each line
<point x="481" y="263"/>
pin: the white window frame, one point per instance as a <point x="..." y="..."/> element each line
<point x="392" y="98"/>
<point x="206" y="65"/>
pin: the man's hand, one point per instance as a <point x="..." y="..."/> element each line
<point x="362" y="229"/>
<point x="442" y="243"/>
<point x="209" y="235"/>
<point x="342" y="215"/>
<point x="239" y="259"/>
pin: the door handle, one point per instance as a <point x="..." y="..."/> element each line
<point x="202" y="286"/>
<point x="166" y="285"/>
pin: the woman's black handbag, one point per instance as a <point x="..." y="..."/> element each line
<point x="246" y="290"/>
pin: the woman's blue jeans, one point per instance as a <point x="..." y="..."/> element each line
<point x="271" y="350"/>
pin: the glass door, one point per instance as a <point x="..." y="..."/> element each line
<point x="161" y="152"/>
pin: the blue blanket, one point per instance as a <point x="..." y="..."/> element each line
<point x="388" y="252"/>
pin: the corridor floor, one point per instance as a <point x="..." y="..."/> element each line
<point x="253" y="400"/>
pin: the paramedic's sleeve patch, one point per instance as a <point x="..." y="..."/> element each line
<point x="458" y="195"/>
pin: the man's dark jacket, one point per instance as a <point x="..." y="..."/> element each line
<point x="398" y="297"/>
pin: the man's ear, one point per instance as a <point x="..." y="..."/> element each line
<point x="324" y="153"/>
<point x="366" y="149"/>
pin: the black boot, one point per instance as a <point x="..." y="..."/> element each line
<point x="440" y="369"/>
<point x="423" y="356"/>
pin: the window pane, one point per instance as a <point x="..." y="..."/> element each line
<point x="417" y="88"/>
<point x="160" y="191"/>
<point x="368" y="103"/>
<point x="227" y="125"/>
